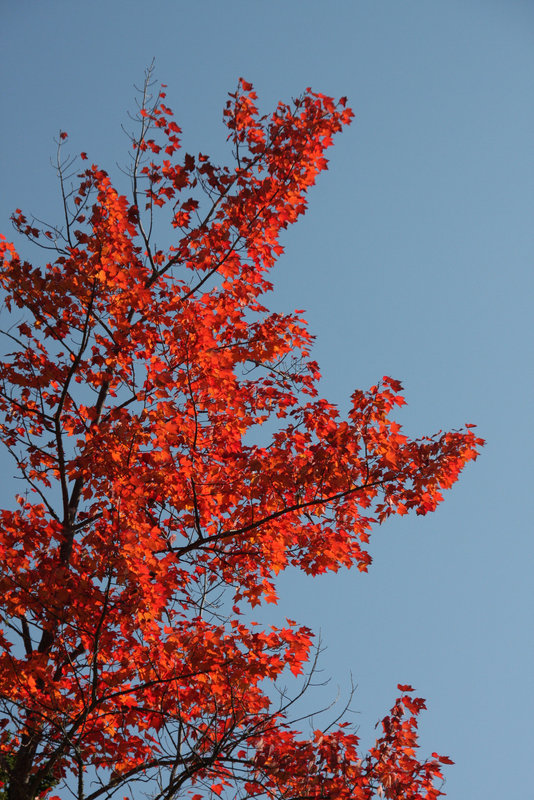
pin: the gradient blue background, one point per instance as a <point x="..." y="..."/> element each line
<point x="415" y="260"/>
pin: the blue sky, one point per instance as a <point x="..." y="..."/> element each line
<point x="415" y="260"/>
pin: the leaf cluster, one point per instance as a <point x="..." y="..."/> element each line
<point x="139" y="382"/>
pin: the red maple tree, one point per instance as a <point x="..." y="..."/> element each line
<point x="155" y="513"/>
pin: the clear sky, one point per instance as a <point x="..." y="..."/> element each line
<point x="415" y="260"/>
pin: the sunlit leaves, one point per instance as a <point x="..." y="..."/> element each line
<point x="178" y="456"/>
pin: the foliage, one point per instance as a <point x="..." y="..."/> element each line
<point x="133" y="403"/>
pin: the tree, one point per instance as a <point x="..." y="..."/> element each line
<point x="177" y="456"/>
